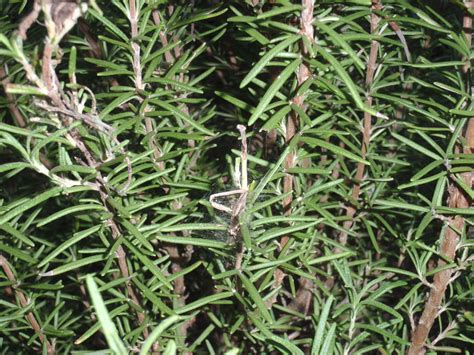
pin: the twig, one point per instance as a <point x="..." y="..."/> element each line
<point x="304" y="73"/>
<point x="50" y="82"/>
<point x="178" y="51"/>
<point x="96" y="51"/>
<point x="15" y="112"/>
<point x="467" y="28"/>
<point x="137" y="68"/>
<point x="450" y="241"/>
<point x="441" y="279"/>
<point x="24" y="303"/>
<point x="179" y="289"/>
<point x="219" y="206"/>
<point x="29" y="19"/>
<point x="177" y="262"/>
<point x="292" y="122"/>
<point x="139" y="86"/>
<point x="243" y="158"/>
<point x="93" y="122"/>
<point x="371" y="67"/>
<point x="164" y="40"/>
<point x="122" y="261"/>
<point x="453" y="324"/>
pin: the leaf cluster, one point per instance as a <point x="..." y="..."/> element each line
<point x="106" y="229"/>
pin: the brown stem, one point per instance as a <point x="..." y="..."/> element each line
<point x="442" y="279"/>
<point x="95" y="50"/>
<point x="304" y="73"/>
<point x="450" y="241"/>
<point x="164" y="40"/>
<point x="49" y="76"/>
<point x="121" y="254"/>
<point x="292" y="122"/>
<point x="122" y="261"/>
<point x="24" y="303"/>
<point x="178" y="51"/>
<point x="467" y="28"/>
<point x="15" y="112"/>
<point x="139" y="85"/>
<point x="29" y="19"/>
<point x="371" y="67"/>
<point x="179" y="286"/>
<point x="137" y="68"/>
<point x="289" y="163"/>
<point x="51" y="83"/>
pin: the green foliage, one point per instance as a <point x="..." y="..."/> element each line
<point x="105" y="218"/>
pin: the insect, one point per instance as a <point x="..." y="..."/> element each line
<point x="238" y="207"/>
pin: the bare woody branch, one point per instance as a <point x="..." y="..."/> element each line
<point x="29" y="19"/>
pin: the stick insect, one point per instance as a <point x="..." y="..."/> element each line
<point x="238" y="207"/>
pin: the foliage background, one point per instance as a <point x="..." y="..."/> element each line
<point x="119" y="119"/>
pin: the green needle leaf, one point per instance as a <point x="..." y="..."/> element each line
<point x="260" y="65"/>
<point x="108" y="327"/>
<point x="273" y="89"/>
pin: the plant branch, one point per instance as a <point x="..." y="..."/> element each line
<point x="442" y="279"/>
<point x="450" y="241"/>
<point x="306" y="23"/>
<point x="137" y="67"/>
<point x="164" y="40"/>
<point x="367" y="127"/>
<point x="178" y="261"/>
<point x="29" y="19"/>
<point x="61" y="105"/>
<point x="304" y="73"/>
<point x="15" y="112"/>
<point x="24" y="303"/>
<point x="139" y="86"/>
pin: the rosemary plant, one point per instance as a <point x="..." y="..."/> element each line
<point x="345" y="129"/>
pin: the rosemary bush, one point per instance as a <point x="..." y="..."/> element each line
<point x="235" y="177"/>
